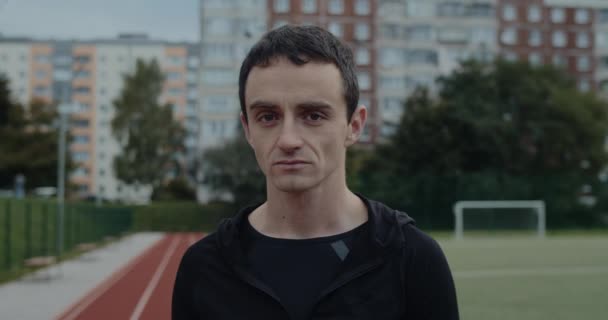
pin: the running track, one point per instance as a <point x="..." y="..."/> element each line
<point x="139" y="290"/>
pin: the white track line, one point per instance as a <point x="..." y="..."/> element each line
<point x="540" y="271"/>
<point x="82" y="304"/>
<point x="143" y="300"/>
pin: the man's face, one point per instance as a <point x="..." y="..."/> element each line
<point x="297" y="123"/>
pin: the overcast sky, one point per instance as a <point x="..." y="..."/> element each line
<point x="175" y="20"/>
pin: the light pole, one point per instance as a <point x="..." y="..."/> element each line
<point x="65" y="109"/>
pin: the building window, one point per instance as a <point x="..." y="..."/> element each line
<point x="419" y="32"/>
<point x="584" y="85"/>
<point x="42" y="91"/>
<point x="451" y="9"/>
<point x="362" y="56"/>
<point x="335" y="28"/>
<point x="559" y="61"/>
<point x="80" y="156"/>
<point x="365" y="82"/>
<point x="509" y="12"/>
<point x="534" y="13"/>
<point x="558" y="15"/>
<point x="362" y="7"/>
<point x="583" y="63"/>
<point x="279" y="23"/>
<point x="559" y="39"/>
<point x="390" y="57"/>
<point x="41" y="74"/>
<point x="420" y="8"/>
<point x="42" y="59"/>
<point x="535" y="59"/>
<point x="534" y="38"/>
<point x="510" y="56"/>
<point x="603" y="16"/>
<point x="174" y="75"/>
<point x="581" y="16"/>
<point x="336" y="6"/>
<point x="80" y="139"/>
<point x="484" y="10"/>
<point x="82" y="90"/>
<point x="362" y="31"/>
<point x="218" y="77"/>
<point x="82" y="59"/>
<point x="582" y="40"/>
<point x="80" y="123"/>
<point x="509" y="36"/>
<point x="82" y="74"/>
<point x="309" y="6"/>
<point x="281" y="6"/>
<point x="422" y="57"/>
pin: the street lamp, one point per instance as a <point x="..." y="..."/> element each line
<point x="65" y="109"/>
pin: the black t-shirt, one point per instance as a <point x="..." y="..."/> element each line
<point x="297" y="270"/>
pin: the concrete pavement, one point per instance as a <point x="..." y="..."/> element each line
<point x="49" y="291"/>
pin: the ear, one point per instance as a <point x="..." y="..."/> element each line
<point x="245" y="125"/>
<point x="356" y="125"/>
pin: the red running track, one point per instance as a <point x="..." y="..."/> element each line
<point x="139" y="290"/>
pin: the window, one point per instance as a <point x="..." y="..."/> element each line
<point x="80" y="123"/>
<point x="486" y="35"/>
<point x="365" y="82"/>
<point x="218" y="77"/>
<point x="42" y="59"/>
<point x="82" y="59"/>
<point x="281" y="6"/>
<point x="309" y="6"/>
<point x="335" y="28"/>
<point x="420" y="8"/>
<point x="584" y="85"/>
<point x="510" y="56"/>
<point x="102" y="172"/>
<point x="509" y="13"/>
<point x="534" y="13"/>
<point x="509" y="36"/>
<point x="362" y="56"/>
<point x="421" y="57"/>
<point x="279" y="23"/>
<point x="42" y="91"/>
<point x="581" y="16"/>
<point x="218" y="26"/>
<point x="484" y="10"/>
<point x="393" y="83"/>
<point x="82" y="74"/>
<point x="41" y="74"/>
<point x="82" y="90"/>
<point x="361" y="31"/>
<point x="535" y="59"/>
<point x="80" y="172"/>
<point x="63" y="61"/>
<point x="174" y="75"/>
<point x="451" y="9"/>
<point x="62" y="74"/>
<point x="362" y="7"/>
<point x="218" y="52"/>
<point x="216" y="104"/>
<point x="582" y="40"/>
<point x="419" y="32"/>
<point x="390" y="57"/>
<point x="80" y="156"/>
<point x="534" y="38"/>
<point x="392" y="105"/>
<point x="558" y="15"/>
<point x="583" y="63"/>
<point x="336" y="6"/>
<point x="175" y="92"/>
<point x="176" y="60"/>
<point x="559" y="39"/>
<point x="80" y="139"/>
<point x="603" y="16"/>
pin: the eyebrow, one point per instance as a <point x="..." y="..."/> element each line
<point x="313" y="104"/>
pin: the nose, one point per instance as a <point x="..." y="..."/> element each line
<point x="289" y="139"/>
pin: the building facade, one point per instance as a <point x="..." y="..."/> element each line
<point x="90" y="73"/>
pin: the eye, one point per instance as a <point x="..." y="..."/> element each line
<point x="266" y="117"/>
<point x="314" y="116"/>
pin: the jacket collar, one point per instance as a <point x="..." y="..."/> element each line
<point x="384" y="234"/>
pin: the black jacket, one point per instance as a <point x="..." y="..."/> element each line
<point x="393" y="272"/>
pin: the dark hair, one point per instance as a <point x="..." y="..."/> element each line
<point x="303" y="44"/>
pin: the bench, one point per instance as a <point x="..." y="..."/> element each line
<point x="42" y="261"/>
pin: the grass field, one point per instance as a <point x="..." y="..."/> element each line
<point x="525" y="278"/>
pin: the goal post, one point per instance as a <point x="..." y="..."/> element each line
<point x="537" y="205"/>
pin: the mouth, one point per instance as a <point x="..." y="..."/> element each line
<point x="291" y="164"/>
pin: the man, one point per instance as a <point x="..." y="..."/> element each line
<point x="314" y="249"/>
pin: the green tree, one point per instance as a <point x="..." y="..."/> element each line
<point x="29" y="141"/>
<point x="232" y="169"/>
<point x="495" y="131"/>
<point x="151" y="140"/>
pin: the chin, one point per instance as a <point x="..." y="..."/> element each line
<point x="293" y="184"/>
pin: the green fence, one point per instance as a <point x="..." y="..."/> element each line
<point x="28" y="228"/>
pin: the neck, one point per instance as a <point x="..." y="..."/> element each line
<point x="328" y="209"/>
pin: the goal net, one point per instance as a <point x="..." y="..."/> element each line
<point x="508" y="215"/>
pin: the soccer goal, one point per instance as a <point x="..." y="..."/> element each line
<point x="497" y="211"/>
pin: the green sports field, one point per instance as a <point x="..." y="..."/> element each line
<point x="524" y="278"/>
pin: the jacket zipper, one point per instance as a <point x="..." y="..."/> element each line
<point x="252" y="281"/>
<point x="348" y="278"/>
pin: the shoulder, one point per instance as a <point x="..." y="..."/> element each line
<point x="201" y="252"/>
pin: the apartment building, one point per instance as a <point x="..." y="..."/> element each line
<point x="351" y="21"/>
<point x="419" y="40"/>
<point x="90" y="74"/>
